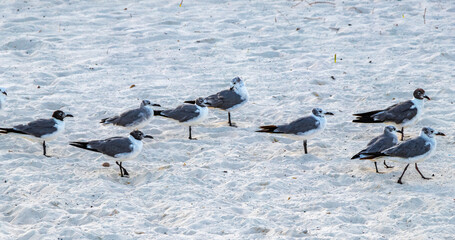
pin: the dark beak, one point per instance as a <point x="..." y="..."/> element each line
<point x="69" y="115"/>
<point x="6" y="94"/>
<point x="425" y="96"/>
<point x="156" y="105"/>
<point x="328" y="113"/>
<point x="440" y="134"/>
<point x="399" y="131"/>
<point x="232" y="88"/>
<point x="148" y="136"/>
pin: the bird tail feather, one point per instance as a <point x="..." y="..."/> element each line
<point x="10" y="130"/>
<point x="83" y="145"/>
<point x="367" y="117"/>
<point x="268" y="128"/>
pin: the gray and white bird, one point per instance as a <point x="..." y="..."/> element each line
<point x="187" y="114"/>
<point x="3" y="95"/>
<point x="386" y="140"/>
<point x="228" y="100"/>
<point x="414" y="150"/>
<point x="402" y="114"/>
<point x="135" y="118"/>
<point x="41" y="129"/>
<point x="301" y="129"/>
<point x="120" y="148"/>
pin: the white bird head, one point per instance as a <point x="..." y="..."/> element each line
<point x="430" y="132"/>
<point x="237" y="83"/>
<point x="320" y="113"/>
<point x="146" y="102"/>
<point x="391" y="129"/>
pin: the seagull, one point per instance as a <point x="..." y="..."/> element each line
<point x="229" y="100"/>
<point x="187" y="114"/>
<point x="119" y="148"/>
<point x="414" y="150"/>
<point x="135" y="118"/>
<point x="386" y="140"/>
<point x="3" y="95"/>
<point x="402" y="114"/>
<point x="41" y="129"/>
<point x="302" y="128"/>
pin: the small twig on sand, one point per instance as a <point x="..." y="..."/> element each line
<point x="321" y="2"/>
<point x="424" y="12"/>
<point x="284" y="17"/>
<point x="295" y="5"/>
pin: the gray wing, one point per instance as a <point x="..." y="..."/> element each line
<point x="397" y="113"/>
<point x="112" y="146"/>
<point x="300" y="125"/>
<point x="224" y="99"/>
<point x="408" y="149"/>
<point x="182" y="113"/>
<point x="130" y="118"/>
<point x="38" y="127"/>
<point x="380" y="143"/>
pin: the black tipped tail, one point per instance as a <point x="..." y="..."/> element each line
<point x="356" y="156"/>
<point x="367" y="114"/>
<point x="367" y="117"/>
<point x="366" y="120"/>
<point x="157" y="112"/>
<point x="10" y="130"/>
<point x="83" y="145"/>
<point x="190" y="102"/>
<point x="268" y="128"/>
<point x="367" y="156"/>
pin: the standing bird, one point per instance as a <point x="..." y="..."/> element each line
<point x="229" y="100"/>
<point x="302" y="128"/>
<point x="414" y="150"/>
<point x="401" y="114"/>
<point x="187" y="114"/>
<point x="120" y="148"/>
<point x="3" y="95"/>
<point x="386" y="140"/>
<point x="135" y="118"/>
<point x="41" y="129"/>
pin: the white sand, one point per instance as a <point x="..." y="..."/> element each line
<point x="231" y="183"/>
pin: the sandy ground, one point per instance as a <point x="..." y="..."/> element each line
<point x="233" y="183"/>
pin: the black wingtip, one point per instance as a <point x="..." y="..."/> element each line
<point x="83" y="145"/>
<point x="268" y="128"/>
<point x="10" y="130"/>
<point x="190" y="102"/>
<point x="367" y="114"/>
<point x="373" y="155"/>
<point x="356" y="156"/>
<point x="366" y="120"/>
<point x="103" y="120"/>
<point x="157" y="112"/>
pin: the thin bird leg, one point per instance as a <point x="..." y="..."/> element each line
<point x="399" y="179"/>
<point x="387" y="166"/>
<point x="229" y="119"/>
<point x="305" y="146"/>
<point x="417" y="168"/>
<point x="376" y="166"/>
<point x="190" y="138"/>
<point x="402" y="133"/>
<point x="44" y="149"/>
<point x="121" y="168"/>
<point x="125" y="173"/>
